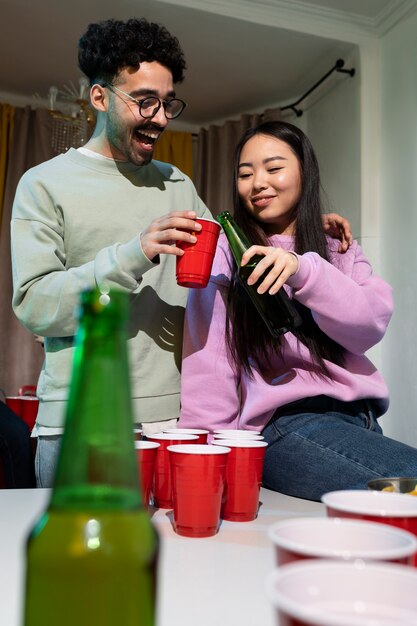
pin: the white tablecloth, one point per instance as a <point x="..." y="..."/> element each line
<point x="217" y="580"/>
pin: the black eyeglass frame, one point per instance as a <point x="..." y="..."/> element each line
<point x="159" y="101"/>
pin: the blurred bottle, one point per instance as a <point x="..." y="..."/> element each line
<point x="91" y="557"/>
<point x="277" y="311"/>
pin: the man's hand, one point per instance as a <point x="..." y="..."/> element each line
<point x="339" y="228"/>
<point x="162" y="233"/>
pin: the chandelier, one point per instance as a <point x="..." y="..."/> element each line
<point x="71" y="126"/>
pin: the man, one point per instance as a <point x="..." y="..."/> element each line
<point x="108" y="215"/>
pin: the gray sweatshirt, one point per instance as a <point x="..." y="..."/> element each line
<point x="75" y="225"/>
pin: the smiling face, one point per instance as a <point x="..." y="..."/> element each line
<point x="269" y="182"/>
<point x="127" y="135"/>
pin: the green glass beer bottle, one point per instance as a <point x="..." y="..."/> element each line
<point x="91" y="557"/>
<point x="277" y="311"/>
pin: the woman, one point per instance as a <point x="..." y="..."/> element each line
<point x="314" y="394"/>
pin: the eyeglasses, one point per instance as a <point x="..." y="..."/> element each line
<point x="148" y="107"/>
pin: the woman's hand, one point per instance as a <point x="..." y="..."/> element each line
<point x="339" y="228"/>
<point x="281" y="264"/>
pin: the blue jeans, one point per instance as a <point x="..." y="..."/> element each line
<point x="320" y="444"/>
<point x="46" y="458"/>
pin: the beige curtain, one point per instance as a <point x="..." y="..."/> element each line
<point x="214" y="171"/>
<point x="20" y="356"/>
<point x="6" y="134"/>
<point x="176" y="148"/>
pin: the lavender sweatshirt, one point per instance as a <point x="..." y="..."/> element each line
<point x="349" y="303"/>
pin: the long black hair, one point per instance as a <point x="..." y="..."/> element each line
<point x="246" y="336"/>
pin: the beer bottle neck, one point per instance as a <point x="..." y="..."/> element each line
<point x="238" y="241"/>
<point x="97" y="465"/>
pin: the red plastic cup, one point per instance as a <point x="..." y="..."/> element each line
<point x="243" y="478"/>
<point x="194" y="266"/>
<point x="162" y="488"/>
<point x="342" y="539"/>
<point x="15" y="404"/>
<point x="29" y="411"/>
<point x="396" y="509"/>
<point x="198" y="478"/>
<point x="200" y="432"/>
<point x="146" y="455"/>
<point x="320" y="592"/>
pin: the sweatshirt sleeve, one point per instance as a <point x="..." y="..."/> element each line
<point x="209" y="386"/>
<point x="45" y="290"/>
<point x="348" y="301"/>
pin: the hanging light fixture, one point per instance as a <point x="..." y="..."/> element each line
<point x="72" y="127"/>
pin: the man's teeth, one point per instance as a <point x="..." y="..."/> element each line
<point x="153" y="136"/>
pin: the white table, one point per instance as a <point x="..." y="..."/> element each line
<point x="217" y="580"/>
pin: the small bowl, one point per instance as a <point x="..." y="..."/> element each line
<point x="397" y="484"/>
<point x="334" y="593"/>
<point x="395" y="509"/>
<point x="342" y="539"/>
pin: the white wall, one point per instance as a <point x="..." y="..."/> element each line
<point x="399" y="223"/>
<point x="333" y="126"/>
<point x="365" y="134"/>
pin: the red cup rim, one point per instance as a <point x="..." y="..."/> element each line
<point x="240" y="443"/>
<point x="146" y="445"/>
<point x="293" y="535"/>
<point x="207" y="219"/>
<point x="173" y="436"/>
<point x="198" y="448"/>
<point x="385" y="504"/>
<point x="238" y="437"/>
<point x="220" y="431"/>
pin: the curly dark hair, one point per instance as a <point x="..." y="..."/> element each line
<point x="109" y="46"/>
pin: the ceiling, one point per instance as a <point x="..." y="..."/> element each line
<point x="238" y="60"/>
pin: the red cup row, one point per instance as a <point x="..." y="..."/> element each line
<point x="201" y="483"/>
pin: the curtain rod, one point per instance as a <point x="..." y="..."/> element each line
<point x="338" y="67"/>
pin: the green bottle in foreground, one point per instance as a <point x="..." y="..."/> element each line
<point x="277" y="311"/>
<point x="91" y="557"/>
